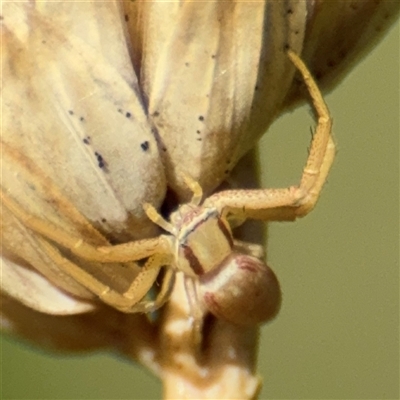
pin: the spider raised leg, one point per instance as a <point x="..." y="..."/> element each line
<point x="296" y="201"/>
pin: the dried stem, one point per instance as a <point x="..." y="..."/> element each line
<point x="220" y="367"/>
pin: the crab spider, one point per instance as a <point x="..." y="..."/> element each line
<point x="229" y="278"/>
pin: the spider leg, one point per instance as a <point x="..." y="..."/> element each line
<point x="195" y="187"/>
<point x="196" y="312"/>
<point x="296" y="201"/>
<point x="130" y="300"/>
<point x="125" y="252"/>
<point x="159" y="220"/>
<point x="162" y="296"/>
<point x="322" y="151"/>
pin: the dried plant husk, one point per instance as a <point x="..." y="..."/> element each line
<point x="224" y="66"/>
<point x="338" y="35"/>
<point x="215" y="74"/>
<point x="73" y="132"/>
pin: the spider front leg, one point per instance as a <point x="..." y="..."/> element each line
<point x="131" y="300"/>
<point x="157" y="250"/>
<point x="295" y="201"/>
<point x="124" y="252"/>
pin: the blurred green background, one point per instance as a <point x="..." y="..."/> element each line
<point x="337" y="336"/>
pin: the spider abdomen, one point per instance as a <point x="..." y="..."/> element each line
<point x="242" y="290"/>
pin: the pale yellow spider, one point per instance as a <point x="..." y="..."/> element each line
<point x="228" y="277"/>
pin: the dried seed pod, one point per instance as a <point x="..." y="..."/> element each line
<point x="78" y="151"/>
<point x="242" y="290"/>
<point x="214" y="74"/>
<point x="225" y="65"/>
